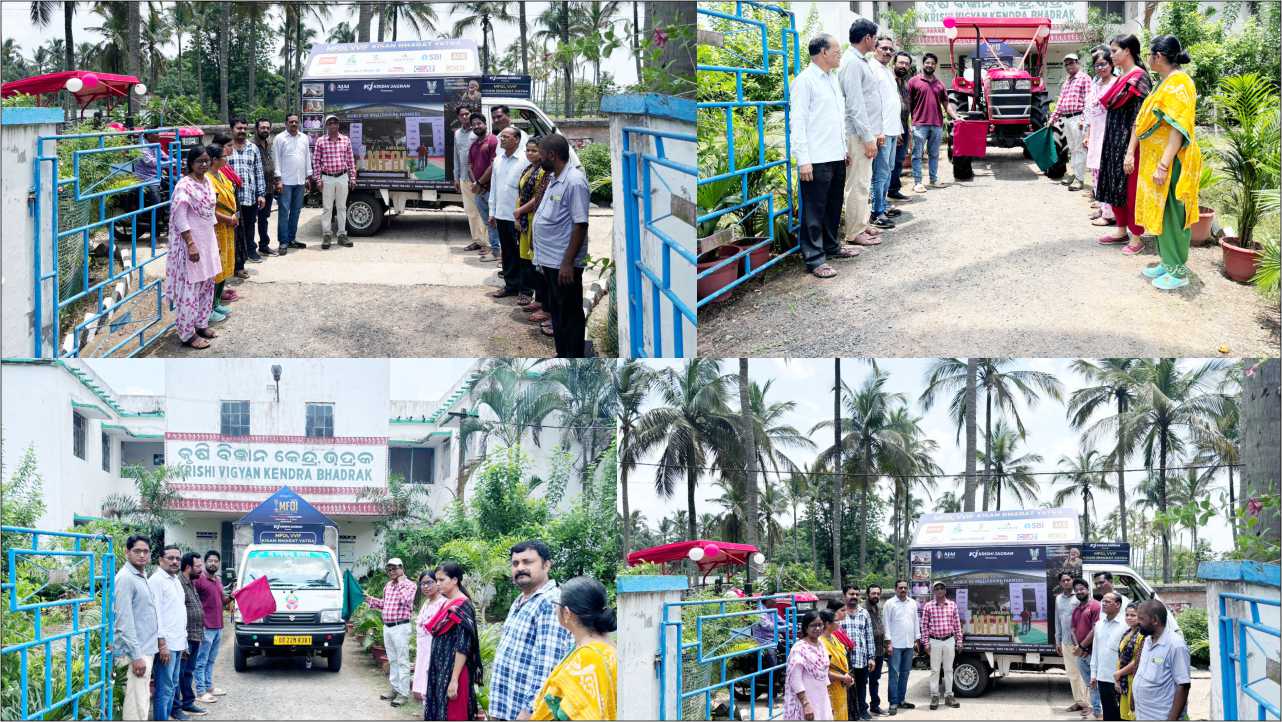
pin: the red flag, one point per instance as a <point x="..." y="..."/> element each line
<point x="255" y="600"/>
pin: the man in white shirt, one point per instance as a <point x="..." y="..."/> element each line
<point x="903" y="630"/>
<point x="505" y="176"/>
<point x="820" y="152"/>
<point x="292" y="156"/>
<point x="463" y="138"/>
<point x="863" y="130"/>
<point x="888" y="110"/>
<point x="1108" y="634"/>
<point x="171" y="632"/>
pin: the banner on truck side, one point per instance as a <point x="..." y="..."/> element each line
<point x="455" y="56"/>
<point x="1027" y="526"/>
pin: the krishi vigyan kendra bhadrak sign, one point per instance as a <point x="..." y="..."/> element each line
<point x="279" y="459"/>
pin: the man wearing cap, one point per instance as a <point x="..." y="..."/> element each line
<point x="941" y="637"/>
<point x="1069" y="107"/>
<point x="397" y="604"/>
<point x="334" y="169"/>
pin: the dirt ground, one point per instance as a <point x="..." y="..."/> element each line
<point x="1005" y="264"/>
<point x="409" y="291"/>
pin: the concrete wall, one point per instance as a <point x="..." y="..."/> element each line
<point x="1255" y="580"/>
<point x="19" y="128"/>
<point x="1179" y="597"/>
<point x="672" y="199"/>
<point x="640" y="603"/>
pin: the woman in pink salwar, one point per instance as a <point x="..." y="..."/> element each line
<point x="805" y="693"/>
<point x="1096" y="116"/>
<point x="430" y="594"/>
<point x="193" y="260"/>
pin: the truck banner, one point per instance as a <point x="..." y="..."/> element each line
<point x="506" y="86"/>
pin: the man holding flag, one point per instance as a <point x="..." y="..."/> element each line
<point x="397" y="604"/>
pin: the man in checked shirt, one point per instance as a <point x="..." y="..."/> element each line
<point x="941" y="636"/>
<point x="1069" y="107"/>
<point x="533" y="641"/>
<point x="397" y="604"/>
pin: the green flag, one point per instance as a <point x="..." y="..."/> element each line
<point x="353" y="595"/>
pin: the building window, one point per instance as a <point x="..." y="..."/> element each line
<point x="78" y="430"/>
<point x="320" y="421"/>
<point x="106" y="452"/>
<point x="235" y="418"/>
<point x="1114" y="8"/>
<point x="416" y="466"/>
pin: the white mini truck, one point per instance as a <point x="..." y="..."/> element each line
<point x="307" y="583"/>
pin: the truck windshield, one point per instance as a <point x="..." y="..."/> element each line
<point x="293" y="568"/>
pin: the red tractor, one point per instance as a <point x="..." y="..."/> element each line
<point x="1000" y="98"/>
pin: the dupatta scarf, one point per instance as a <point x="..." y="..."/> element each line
<point x="1170" y="108"/>
<point x="582" y="687"/>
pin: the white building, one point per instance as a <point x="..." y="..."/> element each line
<point x="241" y="429"/>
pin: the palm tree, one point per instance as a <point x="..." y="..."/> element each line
<point x="365" y="14"/>
<point x="1218" y="441"/>
<point x="870" y="440"/>
<point x="341" y="33"/>
<point x="635" y="30"/>
<point x="555" y="25"/>
<point x="632" y="385"/>
<point x="948" y="503"/>
<point x="152" y="507"/>
<point x="1169" y="399"/>
<point x="1011" y="470"/>
<point x="586" y="404"/>
<point x="1189" y="487"/>
<point x="133" y="58"/>
<point x="520" y="401"/>
<point x="114" y="31"/>
<point x="418" y="15"/>
<point x="224" y="58"/>
<point x="1082" y="475"/>
<point x="748" y="437"/>
<point x="482" y="15"/>
<point x="11" y="60"/>
<point x="595" y="20"/>
<point x="1001" y="384"/>
<point x="801" y="484"/>
<point x="693" y="429"/>
<point x="155" y="36"/>
<point x="525" y="47"/>
<point x="42" y="16"/>
<point x="916" y="468"/>
<point x="972" y="403"/>
<point x="1112" y="384"/>
<point x="774" y="503"/>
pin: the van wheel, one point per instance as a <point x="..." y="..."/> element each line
<point x="336" y="660"/>
<point x="970" y="676"/>
<point x="364" y="214"/>
<point x="240" y="659"/>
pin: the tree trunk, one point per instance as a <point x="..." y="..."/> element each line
<point x="224" y="50"/>
<point x="525" y="49"/>
<point x="198" y="46"/>
<point x="134" y="50"/>
<point x="623" y="494"/>
<point x="1161" y="500"/>
<point x="366" y="14"/>
<point x="636" y="37"/>
<point x="794" y="531"/>
<point x="972" y="401"/>
<point x="287" y="64"/>
<point x="252" y="53"/>
<point x="988" y="443"/>
<point x="863" y="508"/>
<point x="568" y="63"/>
<point x="750" y="453"/>
<point x="1232" y="509"/>
<point x="997" y="487"/>
<point x="677" y="59"/>
<point x="908" y="523"/>
<point x="382" y="15"/>
<point x="837" y="477"/>
<point x="1261" y="456"/>
<point x="1086" y="519"/>
<point x="69" y="39"/>
<point x="460" y="484"/>
<point x="1120" y="459"/>
<point x="692" y="476"/>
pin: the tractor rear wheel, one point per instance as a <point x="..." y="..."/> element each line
<point x="1039" y="111"/>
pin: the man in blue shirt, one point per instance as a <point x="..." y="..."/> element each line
<point x="561" y="244"/>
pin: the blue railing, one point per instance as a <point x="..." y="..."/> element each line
<point x="107" y="314"/>
<point x="66" y="620"/>
<point x="741" y="665"/>
<point x="1237" y="636"/>
<point x="639" y="173"/>
<point x="764" y="201"/>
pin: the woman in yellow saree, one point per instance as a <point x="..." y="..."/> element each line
<point x="224" y="230"/>
<point x="584" y="685"/>
<point x="838" y="646"/>
<point x="1170" y="164"/>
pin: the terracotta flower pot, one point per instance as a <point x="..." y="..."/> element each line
<point x="1239" y="262"/>
<point x="720" y="278"/>
<point x="1201" y="230"/>
<point x="758" y="257"/>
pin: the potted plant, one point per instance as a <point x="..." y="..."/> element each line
<point x="1204" y="226"/>
<point x="1251" y="143"/>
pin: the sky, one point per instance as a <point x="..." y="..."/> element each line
<point x="16" y="24"/>
<point x="809" y="383"/>
<point x="410" y="379"/>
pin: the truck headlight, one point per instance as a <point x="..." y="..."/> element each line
<point x="331" y="616"/>
<point x="1025" y="84"/>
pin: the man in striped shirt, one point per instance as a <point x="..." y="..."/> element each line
<point x="858" y="625"/>
<point x="1069" y="107"/>
<point x="941" y="636"/>
<point x="334" y="170"/>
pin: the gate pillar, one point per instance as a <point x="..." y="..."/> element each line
<point x="19" y="128"/>
<point x="641" y="601"/>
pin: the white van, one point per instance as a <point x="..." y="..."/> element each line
<point x="307" y="583"/>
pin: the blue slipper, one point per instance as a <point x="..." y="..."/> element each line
<point x="216" y="317"/>
<point x="1170" y="283"/>
<point x="1156" y="270"/>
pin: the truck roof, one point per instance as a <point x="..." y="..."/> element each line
<point x="402" y="59"/>
<point x="999" y="528"/>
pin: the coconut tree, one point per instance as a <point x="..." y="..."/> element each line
<point x="1170" y="399"/>
<point x="151" y="507"/>
<point x="587" y="404"/>
<point x="1189" y="487"/>
<point x="1111" y="385"/>
<point x="365" y="14"/>
<point x="418" y="15"/>
<point x="748" y="438"/>
<point x="482" y="15"/>
<point x="42" y="14"/>
<point x="523" y="27"/>
<point x="555" y="26"/>
<point x="692" y="429"/>
<point x="595" y="21"/>
<point x="1217" y="441"/>
<point x="948" y="503"/>
<point x="800" y="484"/>
<point x="915" y="468"/>
<point x="156" y="32"/>
<point x="1082" y="475"/>
<point x="113" y="27"/>
<point x="1002" y="384"/>
<point x="520" y="399"/>
<point x="632" y="385"/>
<point x="1012" y="471"/>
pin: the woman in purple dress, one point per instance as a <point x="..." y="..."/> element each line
<point x="193" y="261"/>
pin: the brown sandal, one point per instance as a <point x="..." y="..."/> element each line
<point x="546" y="328"/>
<point x="846" y="253"/>
<point x="824" y="271"/>
<point x="197" y="343"/>
<point x="206" y="333"/>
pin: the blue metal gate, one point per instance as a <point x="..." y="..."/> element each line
<point x="721" y="661"/>
<point x="644" y="153"/>
<point x="107" y="209"/>
<point x="728" y="190"/>
<point x="61" y="585"/>
<point x="1247" y="649"/>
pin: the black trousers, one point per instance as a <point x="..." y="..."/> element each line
<point x="821" y="200"/>
<point x="901" y="152"/>
<point x="510" y="254"/>
<point x="245" y="244"/>
<point x="1108" y="701"/>
<point x="264" y="214"/>
<point x="565" y="304"/>
<point x="857" y="696"/>
<point x="532" y="281"/>
<point x="874" y="679"/>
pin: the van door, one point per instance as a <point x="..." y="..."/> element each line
<point x="1133" y="588"/>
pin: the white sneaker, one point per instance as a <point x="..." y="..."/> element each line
<point x="217" y="691"/>
<point x="939" y="184"/>
<point x="919" y="188"/>
<point x="207" y="698"/>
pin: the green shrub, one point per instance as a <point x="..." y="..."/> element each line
<point x="596" y="164"/>
<point x="1193" y="625"/>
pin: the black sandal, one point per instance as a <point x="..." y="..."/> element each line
<point x="191" y="343"/>
<point x="205" y="333"/>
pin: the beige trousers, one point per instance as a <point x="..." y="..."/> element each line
<point x="477" y="227"/>
<point x="1081" y="687"/>
<point x="137" y="691"/>
<point x="941" y="656"/>
<point x="858" y="187"/>
<point x="334" y="199"/>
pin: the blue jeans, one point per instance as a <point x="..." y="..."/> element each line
<point x="205" y="658"/>
<point x="1084" y="664"/>
<point x="185" y="694"/>
<point x="926" y="138"/>
<point x="483" y="207"/>
<point x="901" y="149"/>
<point x="289" y="205"/>
<point x="901" y="664"/>
<point x="166" y="678"/>
<point x="881" y="169"/>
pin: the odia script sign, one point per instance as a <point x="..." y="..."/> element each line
<point x="931" y="15"/>
<point x="279" y="459"/>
